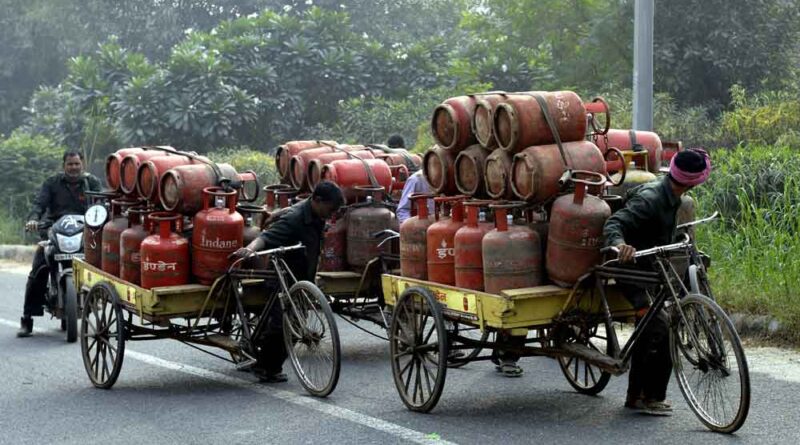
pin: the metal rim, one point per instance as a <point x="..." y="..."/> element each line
<point x="712" y="372"/>
<point x="418" y="347"/>
<point x="102" y="335"/>
<point x="458" y="356"/>
<point x="312" y="339"/>
<point x="584" y="377"/>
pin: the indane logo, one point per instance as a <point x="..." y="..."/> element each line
<point x="444" y="251"/>
<point x="218" y="243"/>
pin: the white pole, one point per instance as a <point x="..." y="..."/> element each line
<point x="643" y="65"/>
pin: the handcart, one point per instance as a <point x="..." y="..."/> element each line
<point x="230" y="315"/>
<point x="577" y="327"/>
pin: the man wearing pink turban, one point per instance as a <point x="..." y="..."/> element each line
<point x="647" y="220"/>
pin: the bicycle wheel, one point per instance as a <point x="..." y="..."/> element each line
<point x="710" y="364"/>
<point x="460" y="357"/>
<point x="581" y="375"/>
<point x="312" y="339"/>
<point x="418" y="346"/>
<point x="102" y="335"/>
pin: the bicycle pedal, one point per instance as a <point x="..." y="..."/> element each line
<point x="247" y="364"/>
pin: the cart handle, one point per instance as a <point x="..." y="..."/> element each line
<point x="686" y="242"/>
<point x="277" y="250"/>
<point x="699" y="221"/>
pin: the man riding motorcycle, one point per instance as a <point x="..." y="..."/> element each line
<point x="63" y="193"/>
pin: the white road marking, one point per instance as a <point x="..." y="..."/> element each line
<point x="287" y="396"/>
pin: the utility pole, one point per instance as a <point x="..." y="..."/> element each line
<point x="643" y="64"/>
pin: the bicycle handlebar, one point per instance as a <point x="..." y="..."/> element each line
<point x="654" y="250"/>
<point x="698" y="221"/>
<point x="274" y="251"/>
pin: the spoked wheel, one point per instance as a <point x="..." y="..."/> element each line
<point x="102" y="335"/>
<point x="418" y="346"/>
<point x="70" y="321"/>
<point x="709" y="364"/>
<point x="312" y="339"/>
<point x="459" y="356"/>
<point x="581" y="375"/>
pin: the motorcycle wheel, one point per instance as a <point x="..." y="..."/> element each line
<point x="70" y="320"/>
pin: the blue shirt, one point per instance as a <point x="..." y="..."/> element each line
<point x="415" y="183"/>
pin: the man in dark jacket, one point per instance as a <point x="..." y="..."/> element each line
<point x="303" y="222"/>
<point x="647" y="220"/>
<point x="61" y="194"/>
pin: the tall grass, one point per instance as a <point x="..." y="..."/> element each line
<point x="755" y="251"/>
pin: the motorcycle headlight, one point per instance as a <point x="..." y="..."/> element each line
<point x="69" y="244"/>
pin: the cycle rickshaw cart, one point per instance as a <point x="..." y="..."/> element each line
<point x="575" y="326"/>
<point x="229" y="315"/>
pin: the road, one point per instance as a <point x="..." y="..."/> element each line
<point x="170" y="393"/>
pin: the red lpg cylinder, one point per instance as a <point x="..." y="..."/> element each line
<point x="399" y="156"/>
<point x="626" y="140"/>
<point x="512" y="255"/>
<point x="165" y="254"/>
<point x="284" y="197"/>
<point x="218" y="232"/>
<point x="129" y="168"/>
<point x="414" y="239"/>
<point x="536" y="171"/>
<point x="113" y="162"/>
<point x="497" y="175"/>
<point x="93" y="236"/>
<point x="334" y="245"/>
<point x="451" y="123"/>
<point x="150" y="171"/>
<point x="469" y="248"/>
<point x="519" y="121"/>
<point x="130" y="263"/>
<point x="251" y="214"/>
<point x="482" y="120"/>
<point x="270" y="201"/>
<point x="349" y="173"/>
<point x="363" y="222"/>
<point x="576" y="231"/>
<point x="438" y="167"/>
<point x="441" y="241"/>
<point x="312" y="168"/>
<point x="400" y="175"/>
<point x="181" y="187"/>
<point x="469" y="171"/>
<point x="285" y="152"/>
<point x="109" y="259"/>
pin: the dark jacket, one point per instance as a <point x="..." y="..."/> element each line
<point x="648" y="218"/>
<point x="299" y="224"/>
<point x="58" y="197"/>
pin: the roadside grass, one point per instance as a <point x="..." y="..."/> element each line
<point x="11" y="230"/>
<point x="755" y="250"/>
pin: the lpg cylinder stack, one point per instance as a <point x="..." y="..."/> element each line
<point x="172" y="217"/>
<point x="523" y="185"/>
<point x="371" y="178"/>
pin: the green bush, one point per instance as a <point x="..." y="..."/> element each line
<point x="244" y="158"/>
<point x="764" y="118"/>
<point x="754" y="252"/>
<point x="26" y="161"/>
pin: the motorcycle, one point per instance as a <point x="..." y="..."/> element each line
<point x="64" y="242"/>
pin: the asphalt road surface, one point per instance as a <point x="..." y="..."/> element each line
<point x="170" y="393"/>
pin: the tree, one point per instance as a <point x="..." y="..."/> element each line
<point x="703" y="48"/>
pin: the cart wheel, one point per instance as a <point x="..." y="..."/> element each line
<point x="418" y="345"/>
<point x="584" y="377"/>
<point x="312" y="339"/>
<point x="710" y="364"/>
<point x="70" y="320"/>
<point x="458" y="357"/>
<point x="102" y="335"/>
